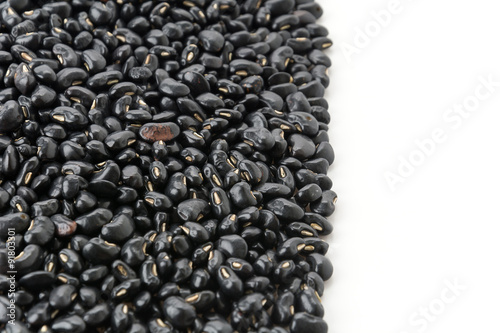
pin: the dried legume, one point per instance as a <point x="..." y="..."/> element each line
<point x="163" y="165"/>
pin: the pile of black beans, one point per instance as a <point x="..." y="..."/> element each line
<point x="163" y="165"/>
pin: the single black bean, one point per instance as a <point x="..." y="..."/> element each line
<point x="230" y="284"/>
<point x="97" y="315"/>
<point x="38" y="314"/>
<point x="134" y="251"/>
<point x="94" y="274"/>
<point x="126" y="290"/>
<point x="178" y="312"/>
<point x="98" y="251"/>
<point x="308" y="301"/>
<point x="62" y="296"/>
<point x="326" y="204"/>
<point x="321" y="265"/>
<point x="302" y="322"/>
<point x="285" y="209"/>
<point x="40" y="232"/>
<point x="11" y="116"/>
<point x="284" y="309"/>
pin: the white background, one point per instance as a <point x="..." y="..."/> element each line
<point x="394" y="250"/>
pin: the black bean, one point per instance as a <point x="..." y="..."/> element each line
<point x="309" y="193"/>
<point x="126" y="290"/>
<point x="119" y="229"/>
<point x="285" y="209"/>
<point x="66" y="77"/>
<point x="176" y="188"/>
<point x="29" y="259"/>
<point x="97" y="315"/>
<point x="11" y="116"/>
<point x="230" y="284"/>
<point x="196" y="232"/>
<point x="313" y="89"/>
<point x="284" y="273"/>
<point x="91" y="222"/>
<point x="70" y="261"/>
<point x="308" y="301"/>
<point x="37" y="280"/>
<point x="10" y="161"/>
<point x="193" y="209"/>
<point x="18" y="221"/>
<point x="202" y="301"/>
<point x="284" y="310"/>
<point x="40" y="232"/>
<point x="306" y="322"/>
<point x="39" y="314"/>
<point x="314" y="281"/>
<point x="62" y="296"/>
<point x="24" y="79"/>
<point x="122" y="271"/>
<point x="98" y="251"/>
<point x="142" y="301"/>
<point x="326" y="204"/>
<point x="178" y="312"/>
<point x="94" y="274"/>
<point x="232" y="246"/>
<point x="149" y="276"/>
<point x="241" y="195"/>
<point x="133" y="251"/>
<point x="119" y="140"/>
<point x="172" y="88"/>
<point x="321" y="265"/>
<point x="158" y="201"/>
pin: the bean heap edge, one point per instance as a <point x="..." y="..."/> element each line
<point x="164" y="166"/>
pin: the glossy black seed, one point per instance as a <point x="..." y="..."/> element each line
<point x="126" y="290"/>
<point x="97" y="315"/>
<point x="37" y="280"/>
<point x="232" y="246"/>
<point x="40" y="232"/>
<point x="39" y="314"/>
<point x="68" y="324"/>
<point x="230" y="284"/>
<point x="211" y="40"/>
<point x="326" y="204"/>
<point x="98" y="251"/>
<point x="309" y="193"/>
<point x="303" y="322"/>
<point x="133" y="251"/>
<point x="11" y="116"/>
<point x="241" y="195"/>
<point x="172" y="88"/>
<point x="91" y="222"/>
<point x="29" y="259"/>
<point x="179" y="312"/>
<point x="17" y="221"/>
<point x="24" y="79"/>
<point x="321" y="265"/>
<point x="94" y="274"/>
<point x="62" y="296"/>
<point x="285" y="209"/>
<point x="70" y="261"/>
<point x="308" y="301"/>
<point x="193" y="209"/>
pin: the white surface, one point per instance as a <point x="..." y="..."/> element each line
<point x="394" y="251"/>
